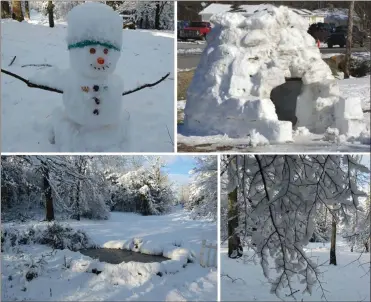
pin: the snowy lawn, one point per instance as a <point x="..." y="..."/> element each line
<point x="125" y="281"/>
<point x="146" y="57"/>
<point x="353" y="87"/>
<point x="345" y="282"/>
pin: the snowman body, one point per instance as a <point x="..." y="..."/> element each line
<point x="90" y="108"/>
<point x="93" y="118"/>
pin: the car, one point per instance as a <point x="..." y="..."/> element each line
<point x="181" y="24"/>
<point x="320" y="31"/>
<point x="339" y="37"/>
<point x="195" y="30"/>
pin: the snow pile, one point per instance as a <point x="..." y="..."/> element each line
<point x="245" y="59"/>
<point x="166" y="249"/>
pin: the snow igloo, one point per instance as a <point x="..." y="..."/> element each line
<point x="262" y="73"/>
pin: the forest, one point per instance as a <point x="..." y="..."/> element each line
<point x="75" y="187"/>
<point x="274" y="206"/>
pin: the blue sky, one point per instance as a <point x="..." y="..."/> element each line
<point x="178" y="168"/>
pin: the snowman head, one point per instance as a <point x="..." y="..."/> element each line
<point x="94" y="38"/>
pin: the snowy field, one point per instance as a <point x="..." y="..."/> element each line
<point x="348" y="281"/>
<point x="354" y="87"/>
<point x="125" y="281"/>
<point x="146" y="57"/>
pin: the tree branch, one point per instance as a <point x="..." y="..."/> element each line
<point x="146" y="85"/>
<point x="29" y="84"/>
<point x="43" y="87"/>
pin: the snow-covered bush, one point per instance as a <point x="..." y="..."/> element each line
<point x="204" y="188"/>
<point x="54" y="235"/>
<point x="143" y="191"/>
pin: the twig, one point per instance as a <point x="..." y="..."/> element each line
<point x="45" y="65"/>
<point x="29" y="84"/>
<point x="171" y="139"/>
<point x="12" y="61"/>
<point x="292" y="294"/>
<point x="366" y="110"/>
<point x="233" y="279"/>
<point x="147" y="85"/>
<point x="43" y="87"/>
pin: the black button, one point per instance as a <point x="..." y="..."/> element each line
<point x="96" y="111"/>
<point x="97" y="101"/>
<point x="96" y="87"/>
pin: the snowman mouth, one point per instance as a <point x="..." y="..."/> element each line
<point x="101" y="67"/>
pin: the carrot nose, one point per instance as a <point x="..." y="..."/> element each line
<point x="100" y="60"/>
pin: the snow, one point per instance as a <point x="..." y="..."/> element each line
<point x="27" y="113"/>
<point x="190" y="51"/>
<point x="124" y="281"/>
<point x="345" y="282"/>
<point x="245" y="59"/>
<point x="95" y="22"/>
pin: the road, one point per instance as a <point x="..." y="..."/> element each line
<point x="191" y="60"/>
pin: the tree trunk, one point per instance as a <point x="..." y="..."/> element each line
<point x="348" y="51"/>
<point x="5" y="10"/>
<point x="50" y="10"/>
<point x="48" y="196"/>
<point x="26" y="10"/>
<point x="333" y="242"/>
<point x="234" y="242"/>
<point x="157" y="16"/>
<point x="17" y="11"/>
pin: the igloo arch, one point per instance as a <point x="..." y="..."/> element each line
<point x="246" y="58"/>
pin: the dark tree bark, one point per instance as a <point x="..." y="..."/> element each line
<point x="234" y="242"/>
<point x="348" y="51"/>
<point x="26" y="10"/>
<point x="17" y="11"/>
<point x="5" y="10"/>
<point x="333" y="242"/>
<point x="50" y="10"/>
<point x="158" y="12"/>
<point x="48" y="195"/>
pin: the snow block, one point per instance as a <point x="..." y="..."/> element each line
<point x="245" y="59"/>
<point x="349" y="116"/>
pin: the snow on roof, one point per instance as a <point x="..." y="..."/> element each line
<point x="247" y="9"/>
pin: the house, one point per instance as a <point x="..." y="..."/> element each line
<point x="248" y="10"/>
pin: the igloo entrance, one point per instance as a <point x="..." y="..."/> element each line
<point x="284" y="98"/>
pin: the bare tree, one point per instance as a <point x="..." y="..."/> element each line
<point x="17" y="11"/>
<point x="348" y="51"/>
<point x="5" y="10"/>
<point x="50" y="10"/>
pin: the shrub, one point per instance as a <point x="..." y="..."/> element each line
<point x="54" y="235"/>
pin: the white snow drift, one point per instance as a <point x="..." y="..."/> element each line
<point x="245" y="59"/>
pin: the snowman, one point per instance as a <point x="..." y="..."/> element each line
<point x="92" y="118"/>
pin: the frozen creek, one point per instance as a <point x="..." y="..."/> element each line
<point x="116" y="256"/>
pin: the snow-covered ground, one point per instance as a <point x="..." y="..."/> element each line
<point x="345" y="282"/>
<point x="26" y="112"/>
<point x="125" y="281"/>
<point x="353" y="87"/>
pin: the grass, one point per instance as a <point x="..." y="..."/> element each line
<point x="184" y="80"/>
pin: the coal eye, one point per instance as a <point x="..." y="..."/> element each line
<point x="105" y="51"/>
<point x="92" y="50"/>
